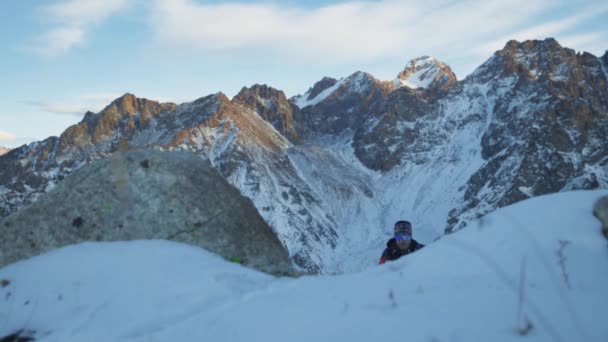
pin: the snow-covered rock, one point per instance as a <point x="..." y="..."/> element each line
<point x="426" y="73"/>
<point x="522" y="272"/>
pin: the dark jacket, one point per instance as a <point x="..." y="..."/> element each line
<point x="393" y="252"/>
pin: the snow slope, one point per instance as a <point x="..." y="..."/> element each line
<point x="464" y="287"/>
<point x="302" y="101"/>
<point x="423" y="71"/>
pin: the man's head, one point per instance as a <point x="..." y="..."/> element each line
<point x="403" y="234"/>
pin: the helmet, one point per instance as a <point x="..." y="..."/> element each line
<point x="403" y="227"/>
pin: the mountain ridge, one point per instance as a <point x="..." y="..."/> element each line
<point x="333" y="174"/>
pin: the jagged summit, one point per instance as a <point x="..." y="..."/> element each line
<point x="354" y="85"/>
<point x="272" y="105"/>
<point x="533" y="60"/>
<point x="420" y="73"/>
<point x="129" y="104"/>
<point x="360" y="81"/>
<point x="426" y="73"/>
<point x="532" y="45"/>
<point x="260" y="91"/>
<point x="323" y="84"/>
<point x="308" y="98"/>
<point x="219" y="96"/>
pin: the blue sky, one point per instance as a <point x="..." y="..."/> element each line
<point x="63" y="57"/>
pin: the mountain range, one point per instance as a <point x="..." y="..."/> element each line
<point x="332" y="169"/>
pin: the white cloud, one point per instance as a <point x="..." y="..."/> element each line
<point x="360" y="31"/>
<point x="347" y="31"/>
<point x="333" y="30"/>
<point x="357" y="31"/>
<point x="58" y="41"/>
<point x="585" y="41"/>
<point x="76" y="106"/>
<point x="84" y="12"/>
<point x="71" y="21"/>
<point x="6" y="136"/>
<point x="554" y="28"/>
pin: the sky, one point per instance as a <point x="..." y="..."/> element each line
<point x="61" y="58"/>
<point x="521" y="269"/>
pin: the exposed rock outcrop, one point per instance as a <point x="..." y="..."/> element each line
<point x="351" y="102"/>
<point x="146" y="194"/>
<point x="273" y="106"/>
<point x="426" y="73"/>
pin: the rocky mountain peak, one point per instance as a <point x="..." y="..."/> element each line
<point x="529" y="51"/>
<point x="4" y="150"/>
<point x="360" y="84"/>
<point x="426" y="73"/>
<point x="259" y="92"/>
<point x="530" y="60"/>
<point x="129" y="104"/>
<point x="531" y="46"/>
<point x="359" y="80"/>
<point x="272" y="105"/>
<point x="220" y="99"/>
<point x="126" y="114"/>
<point x="126" y="103"/>
<point x="316" y="93"/>
<point x="88" y="116"/>
<point x="320" y="86"/>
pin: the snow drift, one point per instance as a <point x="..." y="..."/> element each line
<point x="464" y="287"/>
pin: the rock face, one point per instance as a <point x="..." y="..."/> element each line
<point x="426" y="73"/>
<point x="600" y="210"/>
<point x="546" y="113"/>
<point x="345" y="105"/>
<point x="331" y="169"/>
<point x="273" y="106"/>
<point x="146" y="194"/>
<point x="313" y="92"/>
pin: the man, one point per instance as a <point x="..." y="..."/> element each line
<point x="401" y="244"/>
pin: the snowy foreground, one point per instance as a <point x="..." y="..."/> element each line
<point x="463" y="287"/>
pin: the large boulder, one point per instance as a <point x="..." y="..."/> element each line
<point x="146" y="194"/>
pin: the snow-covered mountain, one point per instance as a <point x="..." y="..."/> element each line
<point x="426" y="73"/>
<point x="333" y="169"/>
<point x="246" y="149"/>
<point x="521" y="274"/>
